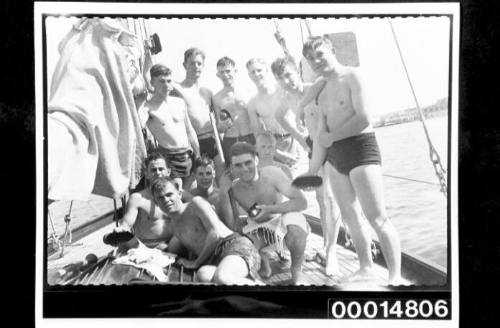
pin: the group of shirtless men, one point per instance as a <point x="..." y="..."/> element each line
<point x="202" y="220"/>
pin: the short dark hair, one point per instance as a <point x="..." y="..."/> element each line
<point x="154" y="155"/>
<point x="278" y="66"/>
<point x="316" y="41"/>
<point x="241" y="148"/>
<point x="202" y="161"/>
<point x="224" y="61"/>
<point x="160" y="183"/>
<point x="193" y="52"/>
<point x="159" y="70"/>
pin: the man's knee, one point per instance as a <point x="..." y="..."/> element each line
<point x="295" y="235"/>
<point x="379" y="222"/>
<point x="205" y="273"/>
<point x="223" y="276"/>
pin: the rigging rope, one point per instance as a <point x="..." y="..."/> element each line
<point x="408" y="179"/>
<point x="433" y="154"/>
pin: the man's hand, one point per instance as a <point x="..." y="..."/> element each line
<point x="325" y="139"/>
<point x="264" y="214"/>
<point x="187" y="263"/>
<point x="300" y="120"/>
<point x="224" y="125"/>
<point x="303" y="143"/>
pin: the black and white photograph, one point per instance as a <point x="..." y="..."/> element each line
<point x="246" y="154"/>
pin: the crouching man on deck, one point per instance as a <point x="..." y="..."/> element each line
<point x="223" y="256"/>
<point x="277" y="222"/>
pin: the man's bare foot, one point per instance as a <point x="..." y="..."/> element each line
<point x="298" y="278"/>
<point x="362" y="275"/>
<point x="398" y="281"/>
<point x="265" y="267"/>
<point x="332" y="264"/>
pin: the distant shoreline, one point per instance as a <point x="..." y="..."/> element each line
<point x="438" y="109"/>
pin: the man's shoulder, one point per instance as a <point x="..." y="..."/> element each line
<point x="206" y="92"/>
<point x="270" y="171"/>
<point x="137" y="199"/>
<point x="176" y="101"/>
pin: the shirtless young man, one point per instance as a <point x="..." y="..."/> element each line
<point x="223" y="256"/>
<point x="297" y="91"/>
<point x="233" y="100"/>
<point x="199" y="100"/>
<point x="266" y="149"/>
<point x="147" y="221"/>
<point x="204" y="174"/>
<point x="167" y="119"/>
<point x="262" y="109"/>
<point x="345" y="129"/>
<point x="267" y="187"/>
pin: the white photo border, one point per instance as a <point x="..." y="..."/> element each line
<point x="233" y="9"/>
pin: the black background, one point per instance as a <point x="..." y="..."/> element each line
<point x="479" y="161"/>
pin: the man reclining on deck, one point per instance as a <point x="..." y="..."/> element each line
<point x="223" y="256"/>
<point x="278" y="222"/>
<point x="141" y="215"/>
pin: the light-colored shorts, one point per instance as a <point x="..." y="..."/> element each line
<point x="273" y="232"/>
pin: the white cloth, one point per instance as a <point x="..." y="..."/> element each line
<point x="95" y="142"/>
<point x="150" y="259"/>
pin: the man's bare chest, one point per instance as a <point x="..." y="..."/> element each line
<point x="262" y="194"/>
<point x="335" y="97"/>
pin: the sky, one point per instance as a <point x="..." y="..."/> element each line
<point x="424" y="43"/>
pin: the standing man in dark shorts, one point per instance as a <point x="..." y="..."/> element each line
<point x="222" y="256"/>
<point x="298" y="97"/>
<point x="345" y="129"/>
<point x="167" y="119"/>
<point x="230" y="105"/>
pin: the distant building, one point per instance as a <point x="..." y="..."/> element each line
<point x="439" y="108"/>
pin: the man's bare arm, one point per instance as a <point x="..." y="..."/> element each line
<point x="131" y="211"/>
<point x="227" y="212"/>
<point x="319" y="152"/>
<point x="311" y="94"/>
<point x="296" y="199"/>
<point x="281" y="117"/>
<point x="191" y="133"/>
<point x="143" y="113"/>
<point x="209" y="219"/>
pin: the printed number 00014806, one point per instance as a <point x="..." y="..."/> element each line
<point x="388" y="309"/>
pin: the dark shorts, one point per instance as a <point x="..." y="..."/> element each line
<point x="242" y="246"/>
<point x="179" y="161"/>
<point x="208" y="147"/>
<point x="228" y="142"/>
<point x="349" y="153"/>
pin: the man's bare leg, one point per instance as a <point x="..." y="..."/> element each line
<point x="295" y="240"/>
<point x="351" y="214"/>
<point x="329" y="217"/>
<point x="367" y="182"/>
<point x="232" y="270"/>
<point x="265" y="267"/>
<point x="331" y="225"/>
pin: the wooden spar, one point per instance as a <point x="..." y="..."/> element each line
<point x="218" y="144"/>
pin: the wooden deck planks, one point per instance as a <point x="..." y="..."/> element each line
<point x="314" y="272"/>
